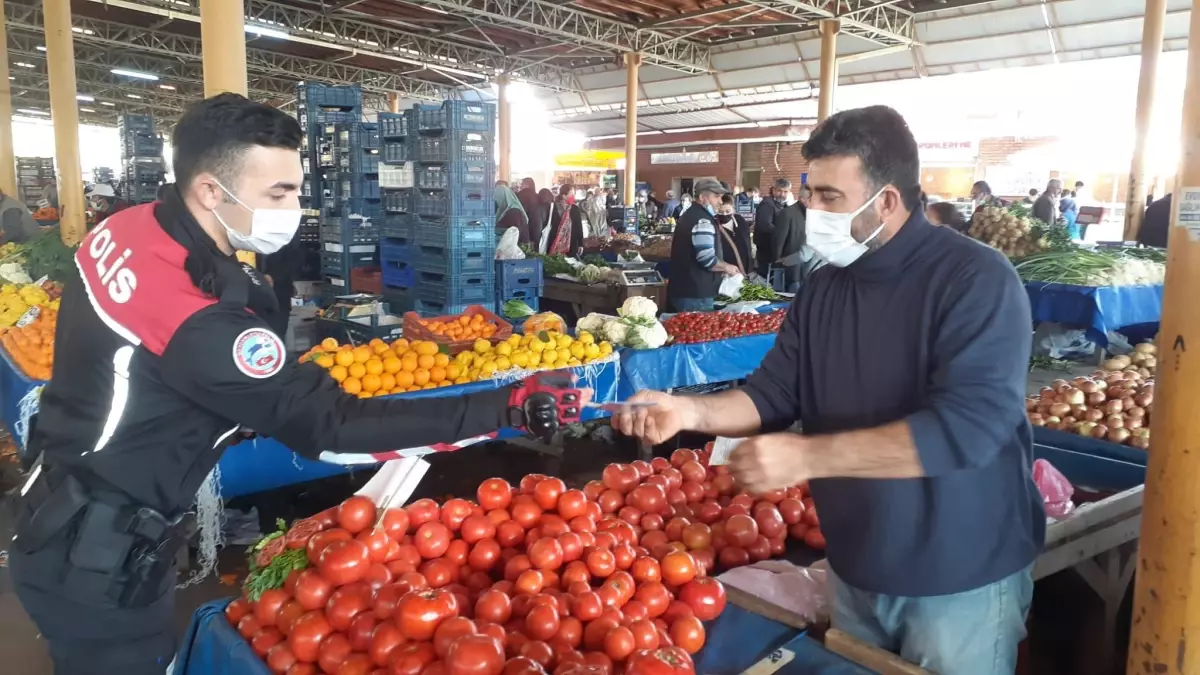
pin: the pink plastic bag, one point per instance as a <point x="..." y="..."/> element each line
<point x="1055" y="488"/>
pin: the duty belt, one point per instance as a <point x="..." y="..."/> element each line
<point x="116" y="549"/>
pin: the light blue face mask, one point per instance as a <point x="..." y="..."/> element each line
<point x="710" y="209"/>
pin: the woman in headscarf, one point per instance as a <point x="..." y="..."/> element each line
<point x="566" y="231"/>
<point x="510" y="213"/>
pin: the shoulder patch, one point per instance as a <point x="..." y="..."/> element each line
<point x="258" y="353"/>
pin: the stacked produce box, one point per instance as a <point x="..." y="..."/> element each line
<point x="142" y="161"/>
<point x="519" y="280"/>
<point x="34" y="174"/>
<point x="439" y="236"/>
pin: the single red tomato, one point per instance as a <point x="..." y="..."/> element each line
<point x="494" y="493"/>
<point x="265" y="639"/>
<point x="651" y="522"/>
<point x="356" y="514"/>
<point x="693" y="492"/>
<point x="411" y="658"/>
<point x="655" y="596"/>
<point x="432" y="539"/>
<point x="760" y="549"/>
<point x="454" y="512"/>
<point x="268" y="606"/>
<point x="439" y="572"/>
<point x="542" y="622"/>
<point x="281" y="659"/>
<point x="288" y="614"/>
<point x="708" y="512"/>
<point x="346" y="603"/>
<point x="661" y="661"/>
<point x="696" y="536"/>
<point x="238" y="609"/>
<point x="493" y="606"/>
<point x="377" y="542"/>
<point x="510" y="533"/>
<point x="385" y="641"/>
<point x="419" y="613"/>
<point x="530" y="582"/>
<point x="525" y="511"/>
<point x="539" y="652"/>
<point x="515" y="566"/>
<point x="741" y="530"/>
<point x="319" y="541"/>
<point x="356" y="664"/>
<point x="770" y="521"/>
<point x="644" y="469"/>
<point x="546" y="554"/>
<point x="600" y="562"/>
<point x="547" y="492"/>
<point x="523" y="665"/>
<point x="572" y="547"/>
<point x="611" y="501"/>
<point x="395" y="523"/>
<point x="476" y="528"/>
<point x="619" y="643"/>
<point x="449" y="631"/>
<point x="422" y="511"/>
<point x="475" y="655"/>
<point x="688" y="634"/>
<point x="693" y="471"/>
<point x="484" y="555"/>
<point x="706" y="597"/>
<point x="733" y="556"/>
<point x="674" y="477"/>
<point x="457" y="552"/>
<point x="645" y="569"/>
<point x="595" y="632"/>
<point x="588" y="606"/>
<point x="678" y="568"/>
<point x="682" y="456"/>
<point x="620" y="477"/>
<point x="530" y="481"/>
<point x="344" y="561"/>
<point x="308" y="632"/>
<point x="645" y="634"/>
<point x="362" y="629"/>
<point x="377" y="576"/>
<point x="572" y="504"/>
<point x="498" y="516"/>
<point x="791" y="510"/>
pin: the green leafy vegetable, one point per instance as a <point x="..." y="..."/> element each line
<point x="49" y="257"/>
<point x="593" y="259"/>
<point x="516" y="309"/>
<point x="755" y="292"/>
<point x="275" y="573"/>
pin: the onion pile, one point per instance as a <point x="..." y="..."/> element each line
<point x="1144" y="360"/>
<point x="1108" y="405"/>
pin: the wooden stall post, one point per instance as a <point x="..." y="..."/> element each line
<point x="8" y="169"/>
<point x="1166" y="622"/>
<point x="60" y="60"/>
<point x="1152" y="43"/>
<point x="393" y="101"/>
<point x="829" y="67"/>
<point x="504" y="132"/>
<point x="633" y="61"/>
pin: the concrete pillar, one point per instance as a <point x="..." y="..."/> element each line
<point x="393" y="102"/>
<point x="829" y="67"/>
<point x="1166" y="621"/>
<point x="504" y="129"/>
<point x="633" y="61"/>
<point x="223" y="41"/>
<point x="8" y="170"/>
<point x="1152" y="43"/>
<point x="60" y="59"/>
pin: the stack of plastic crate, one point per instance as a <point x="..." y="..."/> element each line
<point x="396" y="249"/>
<point x="347" y="244"/>
<point x="319" y="109"/>
<point x="352" y="175"/>
<point x="519" y="280"/>
<point x="452" y="213"/>
<point x="34" y="175"/>
<point x="142" y="163"/>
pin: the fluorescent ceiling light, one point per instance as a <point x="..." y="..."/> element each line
<point x="111" y="105"/>
<point x="41" y="48"/>
<point x="82" y="31"/>
<point x="84" y="97"/>
<point x="133" y="73"/>
<point x="23" y="64"/>
<point x="168" y="87"/>
<point x="32" y="111"/>
<point x="87" y="110"/>
<point x="262" y="31"/>
<point x="133" y="96"/>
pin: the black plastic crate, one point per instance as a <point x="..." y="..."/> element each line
<point x="397" y="201"/>
<point x="397" y="227"/>
<point x="454" y="202"/>
<point x="355" y="208"/>
<point x="432" y="291"/>
<point x="339" y="263"/>
<point x="310" y="229"/>
<point x="349" y="231"/>
<point x="392" y="125"/>
<point x="365" y="162"/>
<point x="455" y="146"/>
<point x="140" y="124"/>
<point x="458" y="115"/>
<point x="142" y="146"/>
<point x="356" y="332"/>
<point x="400" y="250"/>
<point x="368" y="136"/>
<point x="316" y="95"/>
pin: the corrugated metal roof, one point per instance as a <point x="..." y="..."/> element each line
<point x="1001" y="34"/>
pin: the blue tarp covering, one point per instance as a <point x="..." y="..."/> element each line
<point x="265" y="464"/>
<point x="736" y="640"/>
<point x="1097" y="309"/>
<point x="687" y="365"/>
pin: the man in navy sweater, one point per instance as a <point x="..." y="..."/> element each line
<point x="904" y="362"/>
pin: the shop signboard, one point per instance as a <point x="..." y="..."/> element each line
<point x="959" y="151"/>
<point x="700" y="157"/>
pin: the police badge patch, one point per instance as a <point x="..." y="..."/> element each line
<point x="258" y="353"/>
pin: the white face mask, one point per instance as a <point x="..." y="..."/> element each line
<point x="829" y="234"/>
<point x="270" y="229"/>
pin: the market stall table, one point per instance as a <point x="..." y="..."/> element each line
<point x="1098" y="310"/>
<point x="265" y="464"/>
<point x="602" y="298"/>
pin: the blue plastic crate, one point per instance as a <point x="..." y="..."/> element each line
<point x="397" y="227"/>
<point x="453" y="233"/>
<point x="362" y="208"/>
<point x="479" y="175"/>
<point x="349" y="231"/>
<point x="454" y="263"/>
<point x="398" y="250"/>
<point x="398" y="274"/>
<point x="455" y="146"/>
<point x="396" y="152"/>
<point x="317" y="95"/>
<point x="323" y="116"/>
<point x="397" y="201"/>
<point x="142" y="146"/>
<point x="458" y="115"/>
<point x="513" y="275"/>
<point x="392" y="125"/>
<point x="339" y="263"/>
<point x="529" y="297"/>
<point x="364" y="162"/>
<point x="142" y="124"/>
<point x="471" y="202"/>
<point x="431" y="307"/>
<point x="453" y="290"/>
<point x="368" y="136"/>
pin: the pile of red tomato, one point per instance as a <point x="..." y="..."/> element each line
<point x="535" y="580"/>
<point x="692" y="327"/>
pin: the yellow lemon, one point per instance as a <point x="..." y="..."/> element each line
<point x="503" y="363"/>
<point x="520" y="359"/>
<point x="482" y="346"/>
<point x="461" y="380"/>
<point x="465" y="358"/>
<point x="585" y="337"/>
<point x="487" y="369"/>
<point x="605" y="348"/>
<point x="564" y="355"/>
<point x="574" y="362"/>
<point x="536" y="346"/>
<point x="549" y="356"/>
<point x="514" y="340"/>
<point x="504" y="349"/>
<point x="564" y="341"/>
<point x="592" y="350"/>
<point x="533" y="360"/>
<point x="577" y="350"/>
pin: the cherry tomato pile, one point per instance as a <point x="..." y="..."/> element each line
<point x="539" y="579"/>
<point x="692" y="327"/>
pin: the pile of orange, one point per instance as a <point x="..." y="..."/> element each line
<point x="32" y="347"/>
<point x="379" y="369"/>
<point x="465" y="327"/>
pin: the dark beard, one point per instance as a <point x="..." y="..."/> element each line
<point x="865" y="224"/>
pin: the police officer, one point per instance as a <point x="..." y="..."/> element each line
<point x="163" y="351"/>
<point x="697" y="251"/>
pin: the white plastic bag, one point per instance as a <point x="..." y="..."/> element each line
<point x="507" y="248"/>
<point x="744" y="307"/>
<point x="801" y="590"/>
<point x="731" y="287"/>
<point x="1058" y="342"/>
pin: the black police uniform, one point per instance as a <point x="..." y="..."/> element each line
<point x="163" y="350"/>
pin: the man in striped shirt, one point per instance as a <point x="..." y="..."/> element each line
<point x="696" y="261"/>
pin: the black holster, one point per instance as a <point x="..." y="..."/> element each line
<point x="117" y="553"/>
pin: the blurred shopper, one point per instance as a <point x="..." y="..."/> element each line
<point x="981" y="194"/>
<point x="697" y="260"/>
<point x="735" y="237"/>
<point x="16" y="221"/>
<point x="1045" y="208"/>
<point x="566" y="231"/>
<point x="685" y="203"/>
<point x="670" y="205"/>
<point x="1033" y="195"/>
<point x="764" y="222"/>
<point x="787" y="243"/>
<point x="510" y="213"/>
<point x="946" y="215"/>
<point x="1156" y="224"/>
<point x="904" y="362"/>
<point x="595" y="216"/>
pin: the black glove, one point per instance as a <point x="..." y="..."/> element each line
<point x="544" y="402"/>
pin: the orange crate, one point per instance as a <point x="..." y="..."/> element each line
<point x="414" y="330"/>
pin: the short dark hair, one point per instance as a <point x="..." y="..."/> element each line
<point x="1033" y="192"/>
<point x="880" y="138"/>
<point x="726" y="198"/>
<point x="783" y="184"/>
<point x="212" y="135"/>
<point x="1078" y="184"/>
<point x="948" y="215"/>
<point x="982" y="186"/>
